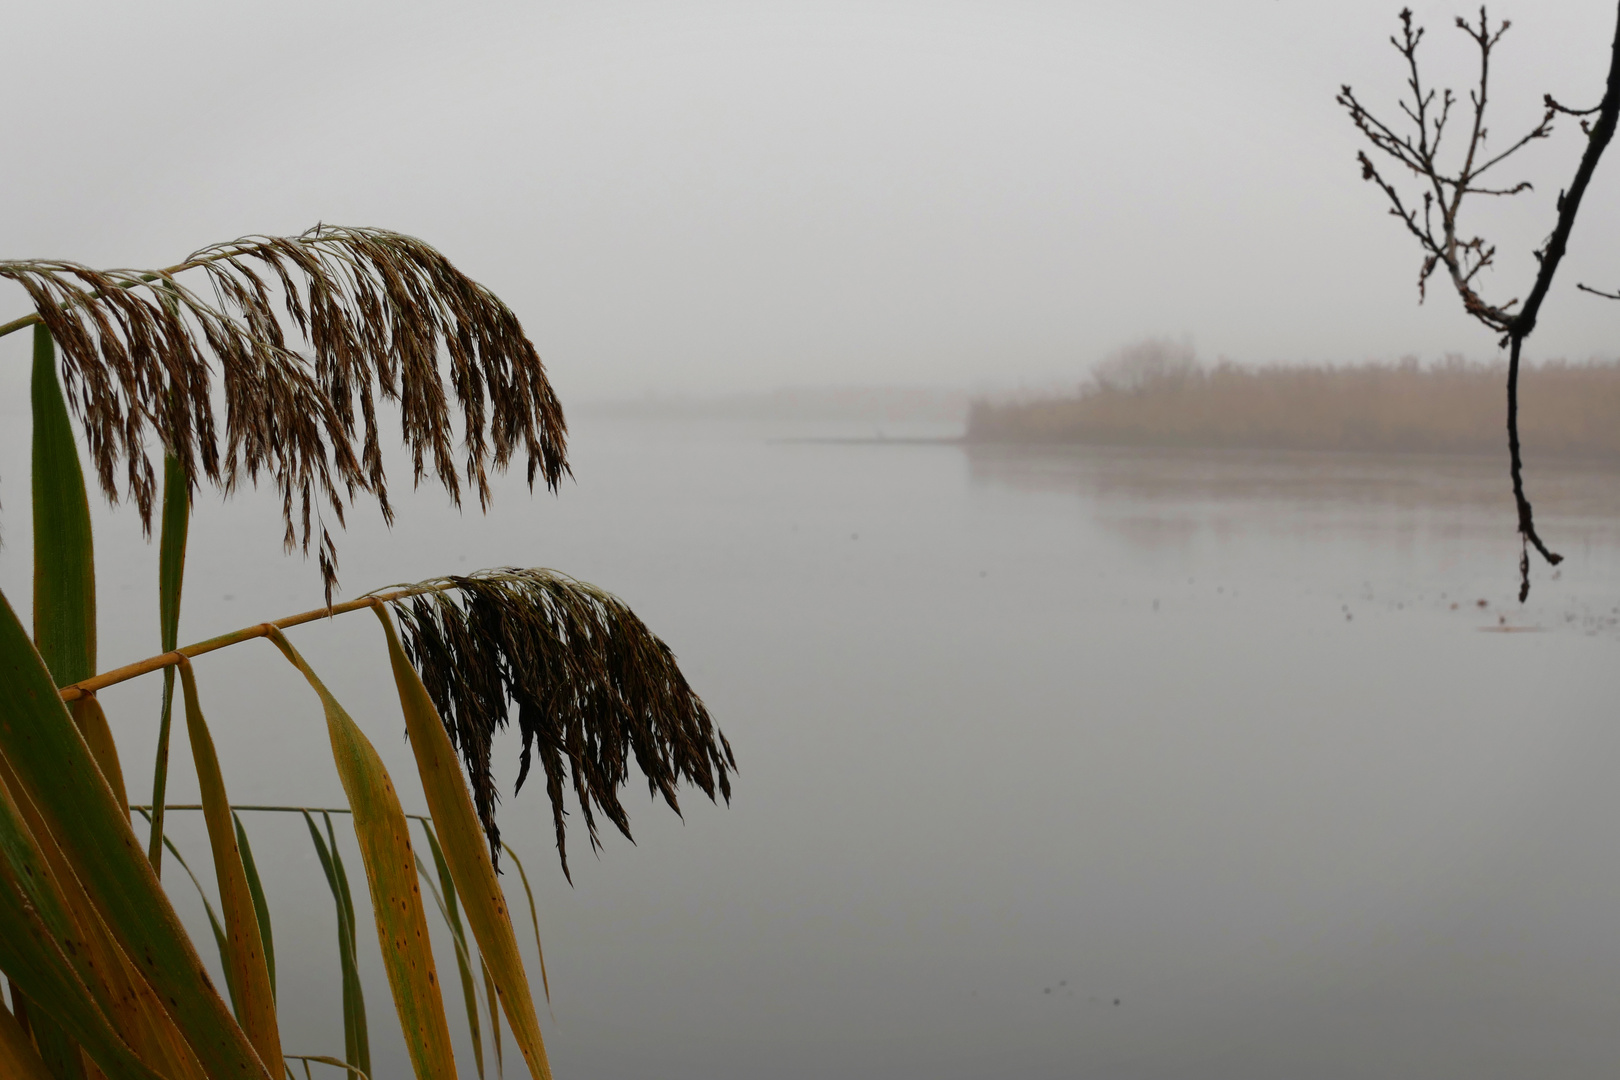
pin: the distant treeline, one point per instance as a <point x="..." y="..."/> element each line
<point x="1159" y="398"/>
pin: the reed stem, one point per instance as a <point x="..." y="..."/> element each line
<point x="88" y="686"/>
<point x="179" y="268"/>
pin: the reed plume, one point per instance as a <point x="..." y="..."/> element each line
<point x="594" y="689"/>
<point x="375" y="309"/>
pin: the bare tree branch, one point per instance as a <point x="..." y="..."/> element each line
<point x="1442" y="243"/>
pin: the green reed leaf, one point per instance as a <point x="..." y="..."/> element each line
<point x="18" y="1058"/>
<point x="171" y="574"/>
<point x="383" y="833"/>
<point x="260" y="908"/>
<point x="353" y="988"/>
<point x="62" y="1013"/>
<point x="244" y="959"/>
<point x="64" y="555"/>
<point x="220" y="941"/>
<point x="534" y="919"/>
<point x="356" y="1038"/>
<point x="493" y="1000"/>
<point x="445" y="894"/>
<point x="55" y="768"/>
<point x="57" y="1048"/>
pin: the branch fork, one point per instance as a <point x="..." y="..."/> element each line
<point x="1444" y="190"/>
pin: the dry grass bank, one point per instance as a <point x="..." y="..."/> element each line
<point x="1566" y="410"/>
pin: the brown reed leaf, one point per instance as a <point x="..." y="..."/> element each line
<point x="377" y="310"/>
<point x="595" y="689"/>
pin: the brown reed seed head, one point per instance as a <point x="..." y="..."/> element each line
<point x="376" y="310"/>
<point x="595" y="690"/>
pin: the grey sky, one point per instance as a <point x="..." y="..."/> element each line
<point x="700" y="196"/>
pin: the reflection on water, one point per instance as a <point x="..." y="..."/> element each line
<point x="1459" y="511"/>
<point x="1461" y="490"/>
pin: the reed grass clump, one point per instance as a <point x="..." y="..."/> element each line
<point x="1567" y="410"/>
<point x="103" y="979"/>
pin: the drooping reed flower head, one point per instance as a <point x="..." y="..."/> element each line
<point x="374" y="316"/>
<point x="596" y="691"/>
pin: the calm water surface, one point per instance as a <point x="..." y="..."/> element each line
<point x="1062" y="764"/>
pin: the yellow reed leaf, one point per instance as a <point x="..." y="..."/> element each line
<point x="92" y="724"/>
<point x="466" y="853"/>
<point x="18" y="1058"/>
<point x="34" y="960"/>
<point x="250" y="976"/>
<point x="396" y="896"/>
<point x="112" y="979"/>
<point x="54" y="767"/>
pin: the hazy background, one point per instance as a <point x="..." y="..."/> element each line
<point x="1232" y="738"/>
<point x="711" y="196"/>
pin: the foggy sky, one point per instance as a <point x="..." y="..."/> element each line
<point x="710" y="196"/>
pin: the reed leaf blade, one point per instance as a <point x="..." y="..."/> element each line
<point x="465" y="852"/>
<point x="27" y="870"/>
<point x="176" y="525"/>
<point x="61" y="1054"/>
<point x="64" y="556"/>
<point x="18" y="1058"/>
<point x="250" y="978"/>
<point x="91" y="721"/>
<point x="396" y="899"/>
<point x="446" y="897"/>
<point x="493" y="1001"/>
<point x="534" y="918"/>
<point x="355" y="991"/>
<point x="57" y="771"/>
<point x="54" y="891"/>
<point x="221" y="941"/>
<point x="59" y="1001"/>
<point x="356" y="1038"/>
<point x="261" y="909"/>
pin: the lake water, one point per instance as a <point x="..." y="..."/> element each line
<point x="1073" y="763"/>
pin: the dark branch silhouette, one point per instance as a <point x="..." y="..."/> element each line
<point x="1435" y="224"/>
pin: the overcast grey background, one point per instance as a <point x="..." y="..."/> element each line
<point x="712" y="196"/>
<point x="1019" y="736"/>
